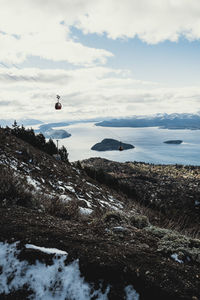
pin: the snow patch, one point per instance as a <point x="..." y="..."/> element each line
<point x="33" y="182"/>
<point x="89" y="195"/>
<point x="104" y="203"/>
<point x="18" y="152"/>
<point x="85" y="211"/>
<point x="131" y="294"/>
<point x="13" y="165"/>
<point x="65" y="198"/>
<point x="70" y="188"/>
<point x="46" y="250"/>
<point x="60" y="182"/>
<point x="92" y="185"/>
<point x="88" y="203"/>
<point x="119" y="229"/>
<point x="47" y="282"/>
<point x="175" y="257"/>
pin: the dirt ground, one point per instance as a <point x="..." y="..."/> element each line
<point x="118" y="259"/>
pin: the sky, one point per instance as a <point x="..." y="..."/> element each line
<point x="105" y="58"/>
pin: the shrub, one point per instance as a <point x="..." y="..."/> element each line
<point x="139" y="221"/>
<point x="171" y="242"/>
<point x="13" y="189"/>
<point x="111" y="216"/>
<point x="65" y="210"/>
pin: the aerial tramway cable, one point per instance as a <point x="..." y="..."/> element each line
<point x="107" y="129"/>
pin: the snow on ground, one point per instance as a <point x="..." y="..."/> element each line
<point x="131" y="294"/>
<point x="65" y="198"/>
<point x="70" y="188"/>
<point x="89" y="195"/>
<point x="33" y="182"/>
<point x="87" y="202"/>
<point x="18" y="152"/>
<point x="107" y="204"/>
<point x="48" y="282"/>
<point x="60" y="182"/>
<point x="92" y="185"/>
<point x="175" y="257"/>
<point x="46" y="250"/>
<point x="13" y="164"/>
<point x="197" y="203"/>
<point x="85" y="211"/>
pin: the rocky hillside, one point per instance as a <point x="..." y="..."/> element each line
<point x="173" y="191"/>
<point x="52" y="213"/>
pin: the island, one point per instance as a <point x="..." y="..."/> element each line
<point x="176" y="142"/>
<point x="110" y="145"/>
<point x="56" y="133"/>
<point x="49" y="132"/>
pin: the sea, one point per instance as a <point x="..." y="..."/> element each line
<point x="149" y="144"/>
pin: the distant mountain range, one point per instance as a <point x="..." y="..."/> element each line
<point x="166" y="121"/>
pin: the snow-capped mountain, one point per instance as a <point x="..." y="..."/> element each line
<point x="169" y="121"/>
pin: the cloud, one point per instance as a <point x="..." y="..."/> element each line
<point x="87" y="93"/>
<point x="42" y="28"/>
<point x="35" y="28"/>
<point x="89" y="89"/>
<point x="153" y="21"/>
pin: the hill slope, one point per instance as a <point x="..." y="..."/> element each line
<point x="51" y="204"/>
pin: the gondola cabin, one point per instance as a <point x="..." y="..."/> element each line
<point x="58" y="105"/>
<point x="120" y="147"/>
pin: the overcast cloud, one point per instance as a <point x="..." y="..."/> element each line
<point x="89" y="88"/>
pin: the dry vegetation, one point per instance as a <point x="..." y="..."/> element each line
<point x="123" y="237"/>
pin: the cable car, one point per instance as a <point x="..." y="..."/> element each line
<point x="58" y="105"/>
<point x="120" y="147"/>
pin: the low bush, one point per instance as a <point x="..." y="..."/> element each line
<point x="14" y="190"/>
<point x="139" y="221"/>
<point x="66" y="210"/>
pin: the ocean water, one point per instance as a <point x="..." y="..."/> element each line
<point x="148" y="142"/>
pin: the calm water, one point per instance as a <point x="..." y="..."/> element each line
<point x="148" y="142"/>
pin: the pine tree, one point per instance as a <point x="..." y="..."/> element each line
<point x="63" y="154"/>
<point x="50" y="147"/>
<point x="15" y="127"/>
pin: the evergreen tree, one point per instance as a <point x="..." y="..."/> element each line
<point x="40" y="140"/>
<point x="15" y="127"/>
<point x="63" y="154"/>
<point x="50" y="147"/>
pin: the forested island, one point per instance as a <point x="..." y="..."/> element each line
<point x="110" y="145"/>
<point x="175" y="142"/>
